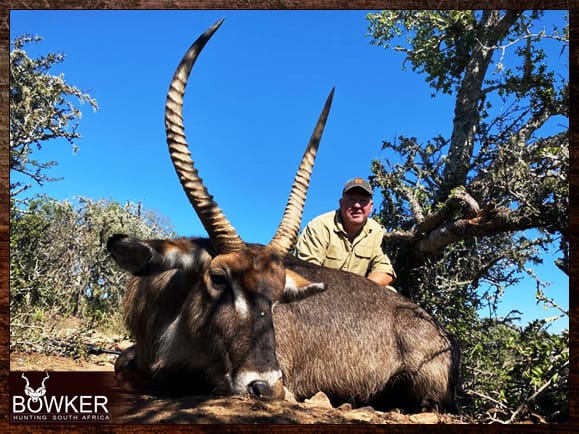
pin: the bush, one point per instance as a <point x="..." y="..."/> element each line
<point x="59" y="266"/>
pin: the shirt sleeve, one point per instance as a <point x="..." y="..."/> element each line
<point x="312" y="244"/>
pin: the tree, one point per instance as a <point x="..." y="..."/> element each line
<point x="468" y="212"/>
<point x="41" y="109"/>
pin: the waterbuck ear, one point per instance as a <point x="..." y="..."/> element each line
<point x="130" y="253"/>
<point x="298" y="287"/>
<point x="146" y="257"/>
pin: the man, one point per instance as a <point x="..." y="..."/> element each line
<point x="347" y="239"/>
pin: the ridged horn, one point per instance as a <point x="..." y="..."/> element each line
<point x="289" y="227"/>
<point x="221" y="233"/>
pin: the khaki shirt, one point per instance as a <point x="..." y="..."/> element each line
<point x="325" y="242"/>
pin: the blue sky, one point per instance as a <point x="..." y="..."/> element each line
<point x="250" y="107"/>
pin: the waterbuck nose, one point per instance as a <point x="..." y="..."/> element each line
<point x="261" y="389"/>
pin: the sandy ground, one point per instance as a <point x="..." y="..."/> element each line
<point x="139" y="409"/>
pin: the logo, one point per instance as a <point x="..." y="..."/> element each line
<point x="66" y="402"/>
<point x="35" y="395"/>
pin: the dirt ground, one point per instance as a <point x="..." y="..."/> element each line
<point x="139" y="409"/>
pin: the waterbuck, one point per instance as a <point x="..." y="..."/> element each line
<point x="222" y="316"/>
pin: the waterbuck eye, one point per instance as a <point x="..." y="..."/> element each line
<point x="219" y="279"/>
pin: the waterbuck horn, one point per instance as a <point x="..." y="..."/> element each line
<point x="222" y="234"/>
<point x="289" y="227"/>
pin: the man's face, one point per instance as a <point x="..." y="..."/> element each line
<point x="355" y="207"/>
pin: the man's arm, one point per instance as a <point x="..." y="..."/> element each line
<point x="381" y="269"/>
<point x="381" y="278"/>
<point x="311" y="246"/>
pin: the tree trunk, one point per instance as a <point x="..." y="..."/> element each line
<point x="493" y="28"/>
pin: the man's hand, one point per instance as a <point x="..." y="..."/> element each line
<point x="380" y="278"/>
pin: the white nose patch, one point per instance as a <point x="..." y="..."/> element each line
<point x="244" y="379"/>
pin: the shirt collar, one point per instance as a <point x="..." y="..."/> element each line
<point x="339" y="227"/>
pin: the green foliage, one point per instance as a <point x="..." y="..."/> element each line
<point x="511" y="373"/>
<point x="59" y="267"/>
<point x="508" y="373"/>
<point x="41" y="109"/>
<point x="509" y="151"/>
<point x="439" y="41"/>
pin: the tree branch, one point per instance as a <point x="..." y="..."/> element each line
<point x="488" y="221"/>
<point x="459" y="197"/>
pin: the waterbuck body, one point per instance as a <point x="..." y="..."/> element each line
<point x="218" y="315"/>
<point x="355" y="341"/>
<point x="362" y="343"/>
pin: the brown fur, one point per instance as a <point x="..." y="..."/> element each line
<point x="357" y="341"/>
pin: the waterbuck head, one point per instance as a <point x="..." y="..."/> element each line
<point x="218" y="304"/>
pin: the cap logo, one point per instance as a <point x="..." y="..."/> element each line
<point x="357" y="183"/>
